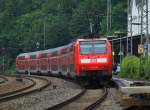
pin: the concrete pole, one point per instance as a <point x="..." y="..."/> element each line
<point x="127" y="28"/>
<point x="107" y="16"/>
<point x="110" y="14"/>
<point x="120" y="49"/>
<point x="131" y="34"/>
<point x="141" y="22"/>
<point x="130" y="22"/>
<point x="147" y="36"/>
<point x="113" y="49"/>
<point x="91" y="25"/>
<point x="44" y="40"/>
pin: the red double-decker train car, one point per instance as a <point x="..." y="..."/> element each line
<point x="85" y="58"/>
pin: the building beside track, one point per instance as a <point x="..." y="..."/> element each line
<point x="138" y="31"/>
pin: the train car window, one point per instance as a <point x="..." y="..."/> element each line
<point x="43" y="55"/>
<point x="33" y="57"/>
<point x="100" y="48"/>
<point x="21" y="57"/>
<point x="92" y="47"/>
<point x="85" y="49"/>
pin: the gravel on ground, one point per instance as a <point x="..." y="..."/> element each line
<point x="57" y="92"/>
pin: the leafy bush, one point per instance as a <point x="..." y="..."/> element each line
<point x="145" y="73"/>
<point x="130" y="67"/>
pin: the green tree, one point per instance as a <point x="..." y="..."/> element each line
<point x="23" y="23"/>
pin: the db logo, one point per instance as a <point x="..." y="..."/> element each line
<point x="93" y="60"/>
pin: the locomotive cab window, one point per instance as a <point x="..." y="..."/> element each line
<point x="92" y="47"/>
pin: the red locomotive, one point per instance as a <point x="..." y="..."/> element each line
<point x="84" y="58"/>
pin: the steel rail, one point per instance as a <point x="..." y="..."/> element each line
<point x="24" y="91"/>
<point x="4" y="79"/>
<point x="58" y="106"/>
<point x="100" y="100"/>
<point x="6" y="94"/>
<point x="73" y="99"/>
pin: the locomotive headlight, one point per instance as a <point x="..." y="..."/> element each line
<point x="102" y="60"/>
<point x="85" y="60"/>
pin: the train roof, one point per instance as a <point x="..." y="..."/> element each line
<point x="53" y="50"/>
<point x="22" y="54"/>
<point x="58" y="48"/>
<point x="29" y="53"/>
<point x="92" y="39"/>
<point x="43" y="51"/>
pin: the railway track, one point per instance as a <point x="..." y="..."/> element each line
<point x="3" y="79"/>
<point x="87" y="99"/>
<point x="19" y="87"/>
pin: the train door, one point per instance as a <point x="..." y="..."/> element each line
<point x="20" y="64"/>
<point x="43" y="62"/>
<point x="71" y="61"/>
<point x="33" y="63"/>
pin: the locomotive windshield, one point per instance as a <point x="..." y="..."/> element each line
<point x="92" y="47"/>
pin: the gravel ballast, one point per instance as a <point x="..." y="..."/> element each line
<point x="60" y="90"/>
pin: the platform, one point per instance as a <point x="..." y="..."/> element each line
<point x="127" y="91"/>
